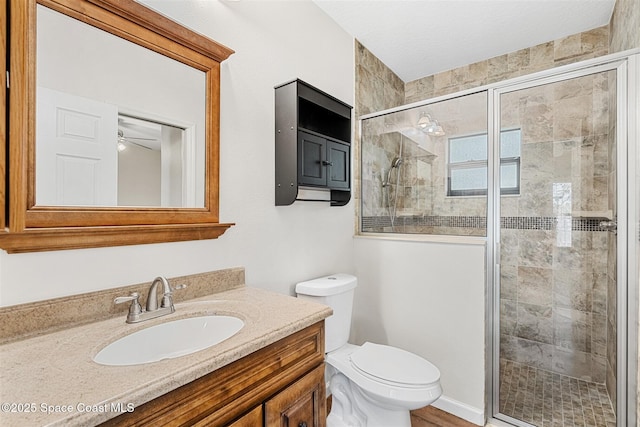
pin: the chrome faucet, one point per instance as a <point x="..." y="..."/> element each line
<point x="152" y="298"/>
<point x="136" y="314"/>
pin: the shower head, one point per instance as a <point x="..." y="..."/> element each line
<point x="396" y="162"/>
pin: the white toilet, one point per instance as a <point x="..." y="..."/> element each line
<point x="372" y="385"/>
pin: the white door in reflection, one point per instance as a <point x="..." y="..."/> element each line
<point x="76" y="152"/>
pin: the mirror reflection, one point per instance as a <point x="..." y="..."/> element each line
<point x="116" y="123"/>
<point x="152" y="164"/>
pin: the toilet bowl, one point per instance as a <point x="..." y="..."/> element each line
<point x="372" y="385"/>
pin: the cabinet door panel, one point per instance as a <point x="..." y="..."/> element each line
<point x="338" y="160"/>
<point x="311" y="164"/>
<point x="303" y="404"/>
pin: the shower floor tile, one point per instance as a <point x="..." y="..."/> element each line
<point x="545" y="399"/>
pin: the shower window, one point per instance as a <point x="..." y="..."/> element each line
<point x="404" y="169"/>
<point x="467" y="168"/>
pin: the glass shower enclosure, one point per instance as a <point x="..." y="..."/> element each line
<point x="424" y="169"/>
<point x="539" y="168"/>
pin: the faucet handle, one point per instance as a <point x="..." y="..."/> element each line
<point x="167" y="299"/>
<point x="133" y="297"/>
<point x="135" y="309"/>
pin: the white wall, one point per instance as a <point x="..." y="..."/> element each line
<point x="427" y="298"/>
<point x="274" y="42"/>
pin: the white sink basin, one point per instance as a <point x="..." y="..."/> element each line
<point x="168" y="340"/>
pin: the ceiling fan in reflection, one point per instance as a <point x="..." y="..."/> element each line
<point x="132" y="140"/>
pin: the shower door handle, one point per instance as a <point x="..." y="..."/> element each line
<point x="609" y="226"/>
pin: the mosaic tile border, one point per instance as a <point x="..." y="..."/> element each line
<point x="549" y="223"/>
<point x="426" y="221"/>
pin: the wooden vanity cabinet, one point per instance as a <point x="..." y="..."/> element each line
<point x="252" y="419"/>
<point x="300" y="405"/>
<point x="279" y="385"/>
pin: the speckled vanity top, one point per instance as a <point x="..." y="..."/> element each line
<point x="52" y="379"/>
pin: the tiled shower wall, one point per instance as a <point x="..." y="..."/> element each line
<point x="377" y="89"/>
<point x="577" y="47"/>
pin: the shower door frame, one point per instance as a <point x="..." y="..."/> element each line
<point x="626" y="64"/>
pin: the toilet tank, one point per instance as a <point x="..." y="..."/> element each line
<point x="336" y="291"/>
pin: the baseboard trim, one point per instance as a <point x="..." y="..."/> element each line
<point x="460" y="410"/>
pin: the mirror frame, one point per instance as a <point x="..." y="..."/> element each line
<point x="27" y="227"/>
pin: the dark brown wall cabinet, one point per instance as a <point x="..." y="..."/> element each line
<point x="313" y="143"/>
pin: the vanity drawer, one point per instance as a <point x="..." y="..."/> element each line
<point x="228" y="394"/>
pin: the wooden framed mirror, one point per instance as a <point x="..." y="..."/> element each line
<point x="90" y="78"/>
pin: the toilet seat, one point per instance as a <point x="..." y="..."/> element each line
<point x="394" y="366"/>
<point x="388" y="388"/>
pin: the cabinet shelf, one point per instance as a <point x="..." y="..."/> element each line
<point x="313" y="144"/>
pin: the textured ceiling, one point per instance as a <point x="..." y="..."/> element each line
<point x="417" y="38"/>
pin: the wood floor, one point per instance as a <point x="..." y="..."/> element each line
<point x="434" y="417"/>
<point x="429" y="417"/>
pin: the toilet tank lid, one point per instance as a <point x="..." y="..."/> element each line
<point x="328" y="285"/>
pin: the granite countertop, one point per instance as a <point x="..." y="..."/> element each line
<point x="52" y="379"/>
